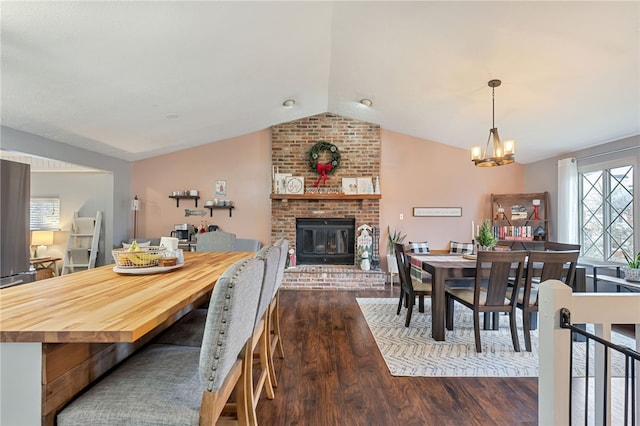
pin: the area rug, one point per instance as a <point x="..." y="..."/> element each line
<point x="411" y="351"/>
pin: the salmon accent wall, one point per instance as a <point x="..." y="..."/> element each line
<point x="419" y="173"/>
<point x="244" y="162"/>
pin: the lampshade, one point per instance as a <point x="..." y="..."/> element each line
<point x="503" y="153"/>
<point x="41" y="238"/>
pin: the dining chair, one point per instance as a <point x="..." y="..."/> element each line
<point x="215" y="241"/>
<point x="410" y="286"/>
<point x="184" y="385"/>
<point x="489" y="293"/>
<point x="274" y="309"/>
<point x="542" y="266"/>
<point x="555" y="246"/>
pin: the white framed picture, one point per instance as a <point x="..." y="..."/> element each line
<point x="294" y="185"/>
<point x="365" y="185"/>
<point x="221" y="187"/>
<point x="350" y="186"/>
<point x="280" y="179"/>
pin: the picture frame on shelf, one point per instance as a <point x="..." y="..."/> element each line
<point x="280" y="182"/>
<point x="294" y="185"/>
<point x="349" y="186"/>
<point x="365" y="185"/>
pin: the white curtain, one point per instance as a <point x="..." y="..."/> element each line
<point x="568" y="201"/>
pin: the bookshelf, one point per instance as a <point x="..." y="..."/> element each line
<point x="519" y="222"/>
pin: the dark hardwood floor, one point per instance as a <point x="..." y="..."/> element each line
<point x="333" y="374"/>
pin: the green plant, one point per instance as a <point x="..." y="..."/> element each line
<point x="485" y="237"/>
<point x="394" y="237"/>
<point x="634" y="263"/>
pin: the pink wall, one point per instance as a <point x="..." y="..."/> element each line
<point x="414" y="173"/>
<point x="419" y="173"/>
<point x="244" y="162"/>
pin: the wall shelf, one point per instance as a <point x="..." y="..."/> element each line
<point x="185" y="197"/>
<point x="219" y="207"/>
<point x="309" y="196"/>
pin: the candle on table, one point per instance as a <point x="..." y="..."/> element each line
<point x="473" y="229"/>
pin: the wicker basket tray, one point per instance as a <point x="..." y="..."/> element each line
<point x="145" y="258"/>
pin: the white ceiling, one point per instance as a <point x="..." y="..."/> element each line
<point x="105" y="75"/>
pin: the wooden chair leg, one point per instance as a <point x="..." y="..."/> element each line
<point x="526" y="329"/>
<point x="400" y="301"/>
<point x="421" y="303"/>
<point x="476" y="330"/>
<point x="409" y="312"/>
<point x="269" y="347"/>
<point x="276" y="325"/>
<point x="514" y="331"/>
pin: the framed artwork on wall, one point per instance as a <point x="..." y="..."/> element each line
<point x="365" y="185"/>
<point x="221" y="187"/>
<point x="437" y="211"/>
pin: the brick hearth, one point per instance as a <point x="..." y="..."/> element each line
<point x="338" y="277"/>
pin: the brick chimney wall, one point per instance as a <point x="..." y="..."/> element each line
<point x="359" y="146"/>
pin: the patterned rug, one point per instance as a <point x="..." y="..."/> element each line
<point x="411" y="351"/>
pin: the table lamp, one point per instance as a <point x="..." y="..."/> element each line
<point x="41" y="239"/>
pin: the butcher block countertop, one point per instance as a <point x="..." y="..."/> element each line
<point x="100" y="305"/>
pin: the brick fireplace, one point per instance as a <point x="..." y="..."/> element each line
<point x="359" y="146"/>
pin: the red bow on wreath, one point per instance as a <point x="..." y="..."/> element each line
<point x="322" y="170"/>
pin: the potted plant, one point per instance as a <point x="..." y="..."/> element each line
<point x="393" y="237"/>
<point x="632" y="270"/>
<point x="485" y="237"/>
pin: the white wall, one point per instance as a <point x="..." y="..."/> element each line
<point x="81" y="192"/>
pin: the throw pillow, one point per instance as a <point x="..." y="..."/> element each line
<point x="419" y="247"/>
<point x="460" y="248"/>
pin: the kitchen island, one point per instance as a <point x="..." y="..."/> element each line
<point x="59" y="335"/>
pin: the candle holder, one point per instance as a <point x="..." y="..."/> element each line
<point x="536" y="209"/>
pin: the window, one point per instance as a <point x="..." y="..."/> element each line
<point x="45" y="214"/>
<point x="606" y="212"/>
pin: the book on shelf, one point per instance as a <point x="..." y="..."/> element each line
<point x="513" y="233"/>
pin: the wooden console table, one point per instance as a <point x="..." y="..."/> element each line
<point x="45" y="267"/>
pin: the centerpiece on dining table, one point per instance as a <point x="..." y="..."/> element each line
<point x="137" y="256"/>
<point x="485" y="238"/>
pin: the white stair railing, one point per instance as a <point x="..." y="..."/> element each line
<point x="600" y="309"/>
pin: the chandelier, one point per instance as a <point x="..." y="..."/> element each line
<point x="502" y="153"/>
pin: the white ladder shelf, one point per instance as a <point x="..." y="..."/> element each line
<point x="82" y="246"/>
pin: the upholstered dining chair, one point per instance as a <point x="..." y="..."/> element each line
<point x="542" y="266"/>
<point x="410" y="286"/>
<point x="183" y="385"/>
<point x="215" y="241"/>
<point x="274" y="309"/>
<point x="489" y="293"/>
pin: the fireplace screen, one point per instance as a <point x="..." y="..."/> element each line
<point x="325" y="241"/>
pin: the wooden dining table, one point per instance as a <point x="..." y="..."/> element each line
<point x="445" y="267"/>
<point x="57" y="338"/>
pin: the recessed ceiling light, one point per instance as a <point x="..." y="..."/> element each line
<point x="289" y="103"/>
<point x="366" y="102"/>
<point x="172" y="115"/>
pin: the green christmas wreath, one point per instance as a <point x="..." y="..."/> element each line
<point x="323" y="169"/>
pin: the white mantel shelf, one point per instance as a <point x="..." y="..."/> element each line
<point x="310" y="196"/>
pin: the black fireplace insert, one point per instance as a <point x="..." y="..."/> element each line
<point x="328" y="241"/>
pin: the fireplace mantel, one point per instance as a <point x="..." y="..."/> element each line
<point x="310" y="196"/>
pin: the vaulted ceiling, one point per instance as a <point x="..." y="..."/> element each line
<point x="138" y="79"/>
